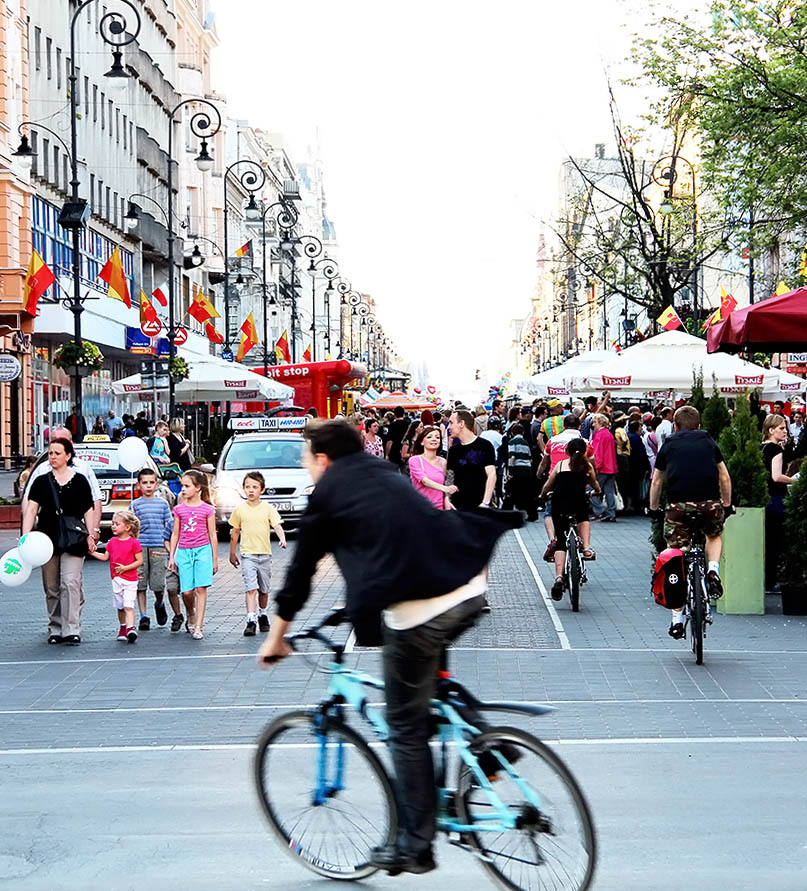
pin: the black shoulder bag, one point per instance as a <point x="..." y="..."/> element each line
<point x="72" y="532"/>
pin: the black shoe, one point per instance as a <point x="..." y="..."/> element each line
<point x="491" y="765"/>
<point x="395" y="861"/>
<point x="145" y="623"/>
<point x="160" y="612"/>
<point x="263" y="623"/>
<point x="72" y="640"/>
<point x="249" y="631"/>
<point x="557" y="589"/>
<point x="176" y="622"/>
<point x="55" y="639"/>
<point x="713" y="585"/>
<point x="676" y="631"/>
<point x="131" y="635"/>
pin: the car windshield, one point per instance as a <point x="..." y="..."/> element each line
<point x="264" y="454"/>
<point x="104" y="461"/>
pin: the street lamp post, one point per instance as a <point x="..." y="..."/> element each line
<point x="330" y="270"/>
<point x="669" y="175"/>
<point x="204" y="125"/>
<point x="112" y="28"/>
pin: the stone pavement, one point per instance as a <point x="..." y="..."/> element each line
<point x="174" y="720"/>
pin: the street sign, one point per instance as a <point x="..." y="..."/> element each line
<point x="227" y="355"/>
<point x="180" y="336"/>
<point x="9" y="367"/>
<point x="151" y="327"/>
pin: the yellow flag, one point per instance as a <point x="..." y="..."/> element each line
<point x="781" y="289"/>
<point x="803" y="267"/>
<point x="670" y="319"/>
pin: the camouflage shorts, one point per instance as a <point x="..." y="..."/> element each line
<point x="679" y="516"/>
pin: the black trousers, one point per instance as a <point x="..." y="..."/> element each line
<point x="411" y="662"/>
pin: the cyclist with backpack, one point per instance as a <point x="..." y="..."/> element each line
<point x="568" y="482"/>
<point x="698" y="490"/>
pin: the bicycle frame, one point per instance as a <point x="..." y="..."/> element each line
<point x="345" y="689"/>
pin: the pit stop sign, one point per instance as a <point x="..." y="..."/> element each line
<point x="180" y="336"/>
<point x="151" y="327"/>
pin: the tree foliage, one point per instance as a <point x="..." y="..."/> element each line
<point x="741" y="445"/>
<point x="795" y="532"/>
<point x="698" y="397"/>
<point x="715" y="417"/>
<point x="739" y="78"/>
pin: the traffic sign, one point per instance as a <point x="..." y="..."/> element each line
<point x="180" y="336"/>
<point x="227" y="355"/>
<point x="151" y="327"/>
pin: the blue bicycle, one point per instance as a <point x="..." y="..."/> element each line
<point x="512" y="802"/>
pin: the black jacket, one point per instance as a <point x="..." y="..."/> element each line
<point x="388" y="540"/>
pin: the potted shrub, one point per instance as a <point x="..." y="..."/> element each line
<point x="84" y="358"/>
<point x="794" y="566"/>
<point x="715" y="417"/>
<point x="743" y="565"/>
<point x="10" y="513"/>
<point x="179" y="369"/>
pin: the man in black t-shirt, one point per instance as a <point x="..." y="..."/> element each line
<point x="470" y="466"/>
<point x="698" y="486"/>
<point x="395" y="436"/>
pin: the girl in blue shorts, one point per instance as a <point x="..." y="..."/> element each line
<point x="193" y="548"/>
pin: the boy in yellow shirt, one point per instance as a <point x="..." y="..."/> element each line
<point x="252" y="523"/>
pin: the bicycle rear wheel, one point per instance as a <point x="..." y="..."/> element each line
<point x="554" y="844"/>
<point x="573" y="562"/>
<point x="697" y="612"/>
<point x="326" y="794"/>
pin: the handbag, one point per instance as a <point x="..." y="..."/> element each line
<point x="619" y="501"/>
<point x="72" y="533"/>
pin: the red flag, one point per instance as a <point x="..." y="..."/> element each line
<point x="212" y="335"/>
<point x="202" y="309"/>
<point x="114" y="276"/>
<point x="249" y="337"/>
<point x="159" y="295"/>
<point x="670" y="320"/>
<point x="40" y="278"/>
<point x="282" y="348"/>
<point x="147" y="311"/>
<point x="307" y="354"/>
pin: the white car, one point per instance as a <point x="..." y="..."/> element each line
<point x="277" y="454"/>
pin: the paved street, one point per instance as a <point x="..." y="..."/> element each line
<point x="129" y="767"/>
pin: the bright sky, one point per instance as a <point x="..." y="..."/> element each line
<point x="442" y="125"/>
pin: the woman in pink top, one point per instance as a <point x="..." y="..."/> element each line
<point x="427" y="469"/>
<point x="604" y="446"/>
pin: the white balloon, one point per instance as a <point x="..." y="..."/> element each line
<point x="132" y="454"/>
<point x="35" y="548"/>
<point x="14" y="571"/>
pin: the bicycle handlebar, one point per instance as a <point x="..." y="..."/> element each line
<point x="332" y="620"/>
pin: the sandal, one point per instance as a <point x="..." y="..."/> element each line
<point x="197" y="634"/>
<point x="557" y="589"/>
<point x="589" y="554"/>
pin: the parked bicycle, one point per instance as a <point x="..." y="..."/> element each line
<point x="502" y="794"/>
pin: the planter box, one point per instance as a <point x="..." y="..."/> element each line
<point x="742" y="568"/>
<point x="794" y="600"/>
<point x="10" y="516"/>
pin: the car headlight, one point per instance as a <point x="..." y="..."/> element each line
<point x="308" y="490"/>
<point x="227" y="498"/>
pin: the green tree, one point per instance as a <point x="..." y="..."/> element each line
<point x="741" y="445"/>
<point x="738" y="78"/>
<point x="795" y="532"/>
<point x="715" y="417"/>
<point x="698" y="397"/>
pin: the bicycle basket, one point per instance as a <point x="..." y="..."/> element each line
<point x="669" y="579"/>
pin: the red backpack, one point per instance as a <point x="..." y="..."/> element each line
<point x="669" y="579"/>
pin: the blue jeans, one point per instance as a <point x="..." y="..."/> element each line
<point x="607" y="482"/>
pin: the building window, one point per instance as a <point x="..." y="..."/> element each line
<point x="87" y="98"/>
<point x="117" y="125"/>
<point x="58" y="68"/>
<point x="103" y="111"/>
<point x="48" y="57"/>
<point x="92" y="193"/>
<point x="125" y="136"/>
<point x="114" y="217"/>
<point x="65" y="178"/>
<point x="38" y="48"/>
<point x="94" y="104"/>
<point x="34" y="144"/>
<point x="56" y="166"/>
<point x="131" y="137"/>
<point x="46" y="159"/>
<point x="108" y="193"/>
<point x="111" y="118"/>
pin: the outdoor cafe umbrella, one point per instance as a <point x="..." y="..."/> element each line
<point x="407" y="403"/>
<point x="211" y="379"/>
<point x="776" y="325"/>
<point x="561" y="380"/>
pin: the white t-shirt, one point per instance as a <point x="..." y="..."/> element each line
<point x="664" y="429"/>
<point x="79" y="465"/>
<point x="494" y="437"/>
<point x="411" y="613"/>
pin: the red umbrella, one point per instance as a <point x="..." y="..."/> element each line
<point x="777" y="324"/>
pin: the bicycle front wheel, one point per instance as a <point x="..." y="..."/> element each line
<point x="553" y="844"/>
<point x="698" y="612"/>
<point x="325" y="793"/>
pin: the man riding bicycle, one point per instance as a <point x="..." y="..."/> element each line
<point x="424" y="569"/>
<point x="698" y="490"/>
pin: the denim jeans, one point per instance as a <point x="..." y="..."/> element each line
<point x="607" y="482"/>
<point x="411" y="661"/>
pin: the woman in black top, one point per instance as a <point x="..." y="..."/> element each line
<point x="568" y="482"/>
<point x="178" y="446"/>
<point x="61" y="489"/>
<point x="774" y="435"/>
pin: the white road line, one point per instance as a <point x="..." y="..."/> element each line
<point x="564" y="640"/>
<point x="118" y="710"/>
<point x="350" y="643"/>
<point x="603" y="741"/>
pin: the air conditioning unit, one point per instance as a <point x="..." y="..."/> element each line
<point x="291" y="190"/>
